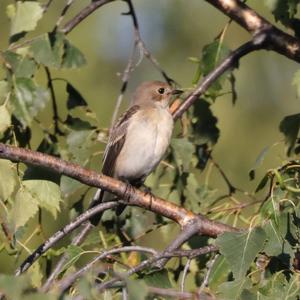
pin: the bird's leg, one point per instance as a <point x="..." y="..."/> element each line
<point x="128" y="191"/>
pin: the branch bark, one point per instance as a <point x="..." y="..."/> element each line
<point x="277" y="40"/>
<point x="131" y="195"/>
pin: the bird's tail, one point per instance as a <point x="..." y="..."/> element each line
<point x="97" y="199"/>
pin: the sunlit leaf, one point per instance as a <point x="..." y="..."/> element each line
<point x="5" y="118"/>
<point x="47" y="193"/>
<point x="25" y="207"/>
<point x="8" y="179"/>
<point x="24" y="16"/>
<point x="4" y="89"/>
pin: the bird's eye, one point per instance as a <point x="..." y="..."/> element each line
<point x="161" y="90"/>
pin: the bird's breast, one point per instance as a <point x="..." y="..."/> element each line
<point x="147" y="139"/>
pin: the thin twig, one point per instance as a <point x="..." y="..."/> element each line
<point x="54" y="102"/>
<point x="141" y="44"/>
<point x="46" y="6"/>
<point x="62" y="233"/>
<point x="206" y="278"/>
<point x="151" y="261"/>
<point x="66" y="283"/>
<point x="70" y="25"/>
<point x="125" y="79"/>
<point x="184" y="274"/>
<point x="63" y="13"/>
<point x="170" y="293"/>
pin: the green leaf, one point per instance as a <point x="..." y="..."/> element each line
<point x="29" y="100"/>
<point x="72" y="58"/>
<point x="69" y="186"/>
<point x="5" y="118"/>
<point x="4" y="90"/>
<point x="24" y="16"/>
<point x="42" y="51"/>
<point x="212" y="55"/>
<point x="182" y="150"/>
<point x="276" y="233"/>
<point x="232" y="290"/>
<point x="36" y="275"/>
<point x="283" y="10"/>
<point x="290" y="126"/>
<point x="47" y="194"/>
<point x="25" y="207"/>
<point x="21" y="66"/>
<point x="12" y="286"/>
<point x="159" y="279"/>
<point x="137" y="289"/>
<point x="240" y="249"/>
<point x="219" y="272"/>
<point x="73" y="252"/>
<point x="8" y="179"/>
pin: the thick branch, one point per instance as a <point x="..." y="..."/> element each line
<point x="83" y="14"/>
<point x="131" y="195"/>
<point x="278" y="40"/>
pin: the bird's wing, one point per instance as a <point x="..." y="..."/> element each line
<point x="116" y="141"/>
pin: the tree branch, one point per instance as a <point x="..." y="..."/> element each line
<point x="151" y="261"/>
<point x="230" y="62"/>
<point x="62" y="233"/>
<point x="255" y="24"/>
<point x="131" y="195"/>
<point x="69" y="26"/>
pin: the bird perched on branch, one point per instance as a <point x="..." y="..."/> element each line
<point x="140" y="137"/>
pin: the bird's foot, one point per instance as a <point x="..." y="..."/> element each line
<point x="148" y="192"/>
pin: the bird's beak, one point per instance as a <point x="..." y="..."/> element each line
<point x="176" y="92"/>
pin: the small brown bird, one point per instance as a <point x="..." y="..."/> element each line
<point x="140" y="137"/>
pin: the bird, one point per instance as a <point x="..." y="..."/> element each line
<point x="139" y="139"/>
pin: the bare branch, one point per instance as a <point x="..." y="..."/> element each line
<point x="131" y="195"/>
<point x="66" y="283"/>
<point x="69" y="26"/>
<point x="62" y="233"/>
<point x="151" y="261"/>
<point x="277" y="40"/>
<point x="63" y="13"/>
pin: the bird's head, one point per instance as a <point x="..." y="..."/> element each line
<point x="157" y="92"/>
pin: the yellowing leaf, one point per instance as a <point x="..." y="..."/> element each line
<point x="46" y="193"/>
<point x="26" y="206"/>
<point x="4" y="118"/>
<point x="8" y="179"/>
<point x="24" y="16"/>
